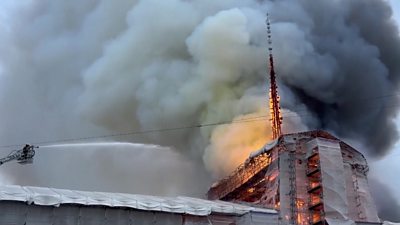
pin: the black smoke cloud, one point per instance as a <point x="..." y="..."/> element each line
<point x="74" y="69"/>
<point x="348" y="75"/>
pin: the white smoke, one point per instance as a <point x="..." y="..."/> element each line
<point x="110" y="166"/>
<point x="196" y="71"/>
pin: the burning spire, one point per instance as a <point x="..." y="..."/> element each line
<point x="274" y="108"/>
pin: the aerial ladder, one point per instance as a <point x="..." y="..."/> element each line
<point x="22" y="156"/>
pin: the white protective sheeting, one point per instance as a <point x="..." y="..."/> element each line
<point x="390" y="223"/>
<point x="284" y="182"/>
<point x="339" y="221"/>
<point x="184" y="205"/>
<point x="259" y="219"/>
<point x="264" y="149"/>
<point x="368" y="208"/>
<point x="351" y="193"/>
<point x="333" y="182"/>
<point x="19" y="213"/>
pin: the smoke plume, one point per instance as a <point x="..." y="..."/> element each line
<point x="91" y="167"/>
<point x="86" y="68"/>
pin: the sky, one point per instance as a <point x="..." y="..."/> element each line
<point x="202" y="36"/>
<point x="396" y="9"/>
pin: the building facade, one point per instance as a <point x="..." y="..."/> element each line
<point x="310" y="178"/>
<point x="49" y="206"/>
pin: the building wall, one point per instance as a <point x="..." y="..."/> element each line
<point x="342" y="175"/>
<point x="343" y="171"/>
<point x="20" y="213"/>
<point x="333" y="178"/>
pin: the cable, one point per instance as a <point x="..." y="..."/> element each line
<point x="140" y="132"/>
<point x="245" y="120"/>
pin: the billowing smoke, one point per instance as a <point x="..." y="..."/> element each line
<point x="89" y="68"/>
<point x="91" y="167"/>
<point x="346" y="68"/>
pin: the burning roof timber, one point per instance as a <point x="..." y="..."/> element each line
<point x="310" y="178"/>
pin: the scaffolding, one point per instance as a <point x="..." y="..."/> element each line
<point x="357" y="197"/>
<point x="311" y="178"/>
<point x="315" y="202"/>
<point x="292" y="191"/>
<point x="240" y="176"/>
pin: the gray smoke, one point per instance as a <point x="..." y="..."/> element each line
<point x="388" y="206"/>
<point x="112" y="167"/>
<point x="348" y="72"/>
<point x="87" y="68"/>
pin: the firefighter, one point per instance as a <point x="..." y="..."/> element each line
<point x="25" y="151"/>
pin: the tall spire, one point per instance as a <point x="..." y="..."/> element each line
<point x="274" y="108"/>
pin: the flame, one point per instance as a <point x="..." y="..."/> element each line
<point x="273" y="176"/>
<point x="301" y="216"/>
<point x="278" y="205"/>
<point x="231" y="144"/>
<point x="251" y="190"/>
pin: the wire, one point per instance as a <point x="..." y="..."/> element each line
<point x="245" y="120"/>
<point x="250" y="119"/>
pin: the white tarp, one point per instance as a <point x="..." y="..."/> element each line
<point x="264" y="149"/>
<point x="333" y="182"/>
<point x="368" y="208"/>
<point x="186" y="205"/>
<point x="284" y="182"/>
